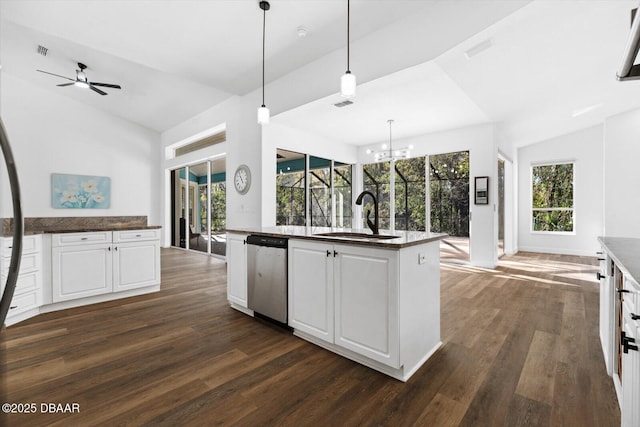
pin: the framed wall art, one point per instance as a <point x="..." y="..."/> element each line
<point x="80" y="191"/>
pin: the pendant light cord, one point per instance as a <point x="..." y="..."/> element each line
<point x="348" y="24"/>
<point x="264" y="21"/>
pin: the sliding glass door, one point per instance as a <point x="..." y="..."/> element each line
<point x="199" y="206"/>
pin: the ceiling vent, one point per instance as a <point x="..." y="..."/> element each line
<point x="479" y="48"/>
<point x="42" y="50"/>
<point x="343" y="103"/>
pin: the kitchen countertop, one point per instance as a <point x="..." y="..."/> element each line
<point x="625" y="252"/>
<point x="404" y="239"/>
<point x="78" y="224"/>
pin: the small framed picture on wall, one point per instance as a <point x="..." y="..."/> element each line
<point x="481" y="194"/>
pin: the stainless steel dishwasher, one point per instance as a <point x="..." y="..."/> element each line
<point x="267" y="276"/>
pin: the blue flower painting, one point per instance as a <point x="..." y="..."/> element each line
<point x="80" y="191"/>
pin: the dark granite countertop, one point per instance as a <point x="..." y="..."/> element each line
<point x="51" y="225"/>
<point x="625" y="252"/>
<point x="404" y="239"/>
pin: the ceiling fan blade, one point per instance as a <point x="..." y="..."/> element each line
<point x="106" y="85"/>
<point x="57" y="75"/>
<point x="95" y="89"/>
<point x="66" y="84"/>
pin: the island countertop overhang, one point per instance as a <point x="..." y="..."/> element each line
<point x="403" y="239"/>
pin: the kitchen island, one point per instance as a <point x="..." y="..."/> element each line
<point x="372" y="299"/>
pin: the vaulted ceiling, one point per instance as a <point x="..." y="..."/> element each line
<point x="548" y="60"/>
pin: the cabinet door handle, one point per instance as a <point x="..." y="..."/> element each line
<point x="600" y="276"/>
<point x="109" y="248"/>
<point x="10" y="247"/>
<point x="115" y="248"/>
<point x="335" y="254"/>
<point x="600" y="259"/>
<point x="622" y="291"/>
<point x="635" y="316"/>
<point x="328" y="253"/>
<point x="12" y="307"/>
<point x="626" y="343"/>
<point x="138" y="235"/>
<point x="84" y="238"/>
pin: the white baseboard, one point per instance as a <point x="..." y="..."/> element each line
<point x="558" y="251"/>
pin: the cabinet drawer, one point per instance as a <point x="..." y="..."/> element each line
<point x="69" y="239"/>
<point x="22" y="303"/>
<point x="27" y="282"/>
<point x="30" y="244"/>
<point x="136" y="235"/>
<point x="28" y="263"/>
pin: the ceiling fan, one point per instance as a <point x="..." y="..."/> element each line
<point x="82" y="81"/>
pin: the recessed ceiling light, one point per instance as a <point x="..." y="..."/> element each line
<point x="585" y="110"/>
<point x="479" y="48"/>
<point x="302" y="31"/>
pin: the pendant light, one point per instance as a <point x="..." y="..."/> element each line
<point x="348" y="80"/>
<point x="263" y="111"/>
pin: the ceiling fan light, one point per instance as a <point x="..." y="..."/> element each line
<point x="82" y="84"/>
<point x="263" y="115"/>
<point x="348" y="85"/>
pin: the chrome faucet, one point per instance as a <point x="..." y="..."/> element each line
<point x="372" y="225"/>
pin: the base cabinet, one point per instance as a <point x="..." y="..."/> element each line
<point x="97" y="263"/>
<point x="81" y="271"/>
<point x="27" y="296"/>
<point x="346" y="295"/>
<point x="237" y="269"/>
<point x="311" y="302"/>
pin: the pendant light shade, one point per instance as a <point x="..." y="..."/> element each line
<point x="348" y="80"/>
<point x="348" y="85"/>
<point x="263" y="115"/>
<point x="263" y="111"/>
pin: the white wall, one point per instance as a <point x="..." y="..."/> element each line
<point x="585" y="148"/>
<point x="622" y="175"/>
<point x="483" y="158"/>
<point x="50" y="133"/>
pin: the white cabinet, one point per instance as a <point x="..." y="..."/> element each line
<point x="311" y="302"/>
<point x="237" y="269"/>
<point x="27" y="296"/>
<point x="630" y="356"/>
<point x="81" y="271"/>
<point x="366" y="302"/>
<point x="136" y="259"/>
<point x="346" y="295"/>
<point x="96" y="263"/>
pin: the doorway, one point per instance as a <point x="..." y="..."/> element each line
<point x="202" y="188"/>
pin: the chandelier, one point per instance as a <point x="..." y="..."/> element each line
<point x="388" y="153"/>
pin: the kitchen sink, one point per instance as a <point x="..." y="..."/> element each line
<point x="353" y="235"/>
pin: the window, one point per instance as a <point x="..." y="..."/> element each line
<point x="410" y="207"/>
<point x="552" y="197"/>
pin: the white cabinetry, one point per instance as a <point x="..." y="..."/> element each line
<point x="237" y="269"/>
<point x="311" y="287"/>
<point x="347" y="298"/>
<point x="28" y="293"/>
<point x="136" y="259"/>
<point x="366" y="302"/>
<point x="630" y="356"/>
<point x="96" y="263"/>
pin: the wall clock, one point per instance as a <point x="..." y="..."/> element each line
<point x="242" y="179"/>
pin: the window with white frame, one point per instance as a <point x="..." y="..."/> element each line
<point x="552" y="204"/>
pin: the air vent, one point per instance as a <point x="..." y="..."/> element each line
<point x="202" y="143"/>
<point x="42" y="50"/>
<point x="343" y="103"/>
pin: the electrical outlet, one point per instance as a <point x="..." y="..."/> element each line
<point x="422" y="258"/>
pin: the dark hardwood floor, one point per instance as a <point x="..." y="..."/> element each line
<point x="520" y="347"/>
